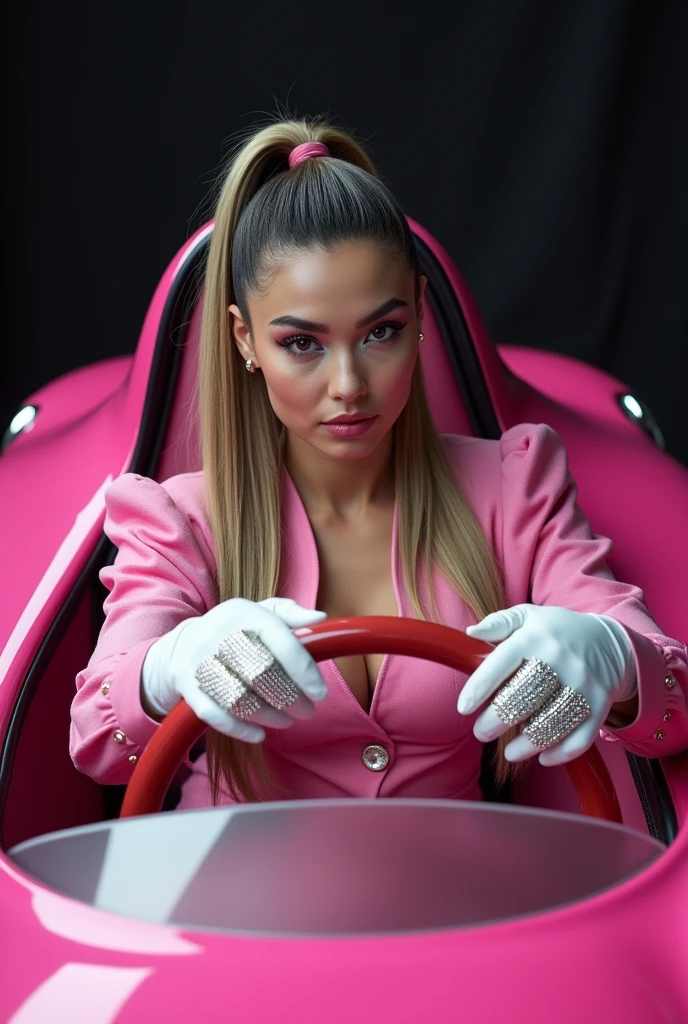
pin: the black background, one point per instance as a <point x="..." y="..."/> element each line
<point x="543" y="142"/>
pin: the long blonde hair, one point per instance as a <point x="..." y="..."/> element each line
<point x="264" y="211"/>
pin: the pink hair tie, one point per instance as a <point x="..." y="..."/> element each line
<point x="306" y="150"/>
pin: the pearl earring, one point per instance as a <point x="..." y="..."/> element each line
<point x="421" y="336"/>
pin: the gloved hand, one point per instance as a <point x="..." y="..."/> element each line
<point x="590" y="653"/>
<point x="170" y="664"/>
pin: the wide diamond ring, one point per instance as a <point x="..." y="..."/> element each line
<point x="226" y="688"/>
<point x="559" y="716"/>
<point x="527" y="690"/>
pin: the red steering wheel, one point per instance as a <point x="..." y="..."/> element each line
<point x="336" y="638"/>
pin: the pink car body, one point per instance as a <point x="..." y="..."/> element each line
<point x="616" y="951"/>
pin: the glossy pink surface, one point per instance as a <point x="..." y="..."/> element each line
<point x="620" y="956"/>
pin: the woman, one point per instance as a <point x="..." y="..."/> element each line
<point x="313" y="312"/>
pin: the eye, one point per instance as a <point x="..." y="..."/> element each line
<point x="393" y="326"/>
<point x="390" y="325"/>
<point x="289" y="342"/>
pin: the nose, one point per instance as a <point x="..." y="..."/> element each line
<point x="346" y="381"/>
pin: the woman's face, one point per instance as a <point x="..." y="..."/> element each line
<point x="335" y="332"/>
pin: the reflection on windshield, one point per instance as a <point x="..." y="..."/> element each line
<point x="164" y="877"/>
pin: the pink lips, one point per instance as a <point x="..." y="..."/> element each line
<point x="355" y="429"/>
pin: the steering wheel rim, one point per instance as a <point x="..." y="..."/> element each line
<point x="336" y="638"/>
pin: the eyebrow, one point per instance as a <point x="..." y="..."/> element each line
<point x="313" y="325"/>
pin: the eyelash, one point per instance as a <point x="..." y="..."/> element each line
<point x="396" y="326"/>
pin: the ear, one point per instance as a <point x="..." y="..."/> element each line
<point x="420" y="304"/>
<point x="240" y="332"/>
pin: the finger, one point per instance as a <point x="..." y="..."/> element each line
<point x="499" y="625"/>
<point x="269" y="717"/>
<point x="575" y="744"/>
<point x="301" y="709"/>
<point x="274" y="632"/>
<point x="520" y="749"/>
<point x="572" y="746"/>
<point x="496" y="669"/>
<point x="289" y="652"/>
<point x="291" y="612"/>
<point x="205" y="708"/>
<point x="489" y="725"/>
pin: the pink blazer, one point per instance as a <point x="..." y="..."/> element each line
<point x="525" y="499"/>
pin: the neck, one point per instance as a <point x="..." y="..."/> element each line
<point x="339" y="488"/>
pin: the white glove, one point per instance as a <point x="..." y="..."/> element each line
<point x="590" y="653"/>
<point x="170" y="664"/>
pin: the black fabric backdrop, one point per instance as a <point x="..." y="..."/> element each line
<point x="543" y="143"/>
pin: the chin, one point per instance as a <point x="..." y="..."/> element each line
<point x="351" y="454"/>
<point x="353" y="448"/>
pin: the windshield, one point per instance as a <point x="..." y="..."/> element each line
<point x="336" y="867"/>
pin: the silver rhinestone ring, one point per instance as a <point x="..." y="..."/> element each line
<point x="559" y="716"/>
<point x="247" y="656"/>
<point x="225" y="688"/>
<point x="527" y="690"/>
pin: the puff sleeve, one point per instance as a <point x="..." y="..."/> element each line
<point x="548" y="535"/>
<point x="163" y="573"/>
